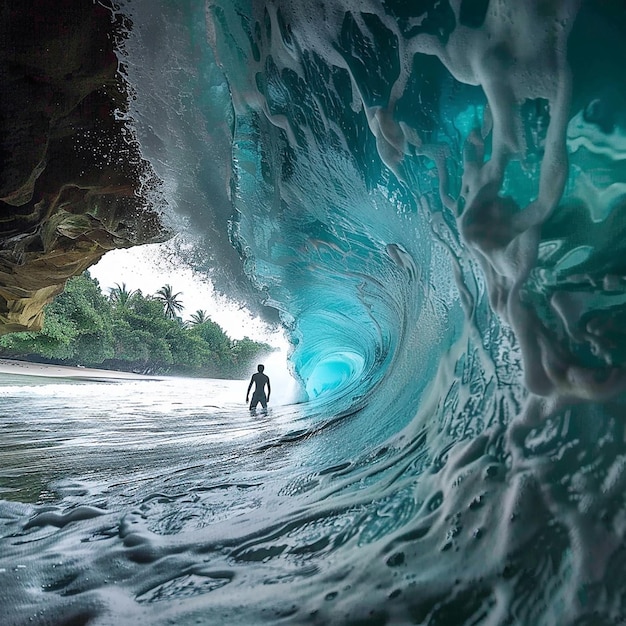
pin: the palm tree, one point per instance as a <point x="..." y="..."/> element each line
<point x="169" y="299"/>
<point x="120" y="295"/>
<point x="199" y="317"/>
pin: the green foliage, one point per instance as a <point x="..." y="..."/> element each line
<point x="245" y="351"/>
<point x="199" y="317"/>
<point x="56" y="340"/>
<point x="120" y="295"/>
<point x="171" y="304"/>
<point x="131" y="332"/>
<point x="77" y="327"/>
<point x="90" y="313"/>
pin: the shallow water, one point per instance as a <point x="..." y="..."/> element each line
<point x="71" y="430"/>
<point x="94" y="473"/>
<point x="169" y="503"/>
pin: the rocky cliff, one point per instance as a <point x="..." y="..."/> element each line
<point x="73" y="183"/>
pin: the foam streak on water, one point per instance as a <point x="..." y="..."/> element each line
<point x="104" y="483"/>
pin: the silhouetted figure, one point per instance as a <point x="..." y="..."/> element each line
<point x="260" y="380"/>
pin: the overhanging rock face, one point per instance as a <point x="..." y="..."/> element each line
<point x="73" y="184"/>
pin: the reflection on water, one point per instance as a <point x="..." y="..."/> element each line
<point x="154" y="431"/>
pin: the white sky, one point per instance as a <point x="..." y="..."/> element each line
<point x="148" y="268"/>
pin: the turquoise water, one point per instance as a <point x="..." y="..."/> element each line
<point x="429" y="197"/>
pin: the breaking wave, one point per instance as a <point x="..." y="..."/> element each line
<point x="430" y="197"/>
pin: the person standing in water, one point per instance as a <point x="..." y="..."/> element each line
<point x="260" y="380"/>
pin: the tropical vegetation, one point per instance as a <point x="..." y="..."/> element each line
<point x="172" y="306"/>
<point x="131" y="332"/>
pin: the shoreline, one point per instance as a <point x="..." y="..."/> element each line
<point x="46" y="370"/>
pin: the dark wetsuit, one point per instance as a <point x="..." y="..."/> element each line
<point x="260" y="380"/>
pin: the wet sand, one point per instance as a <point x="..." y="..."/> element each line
<point x="26" y="368"/>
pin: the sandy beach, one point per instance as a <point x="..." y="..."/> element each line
<point x="25" y="368"/>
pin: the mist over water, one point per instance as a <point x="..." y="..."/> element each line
<point x="429" y="196"/>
